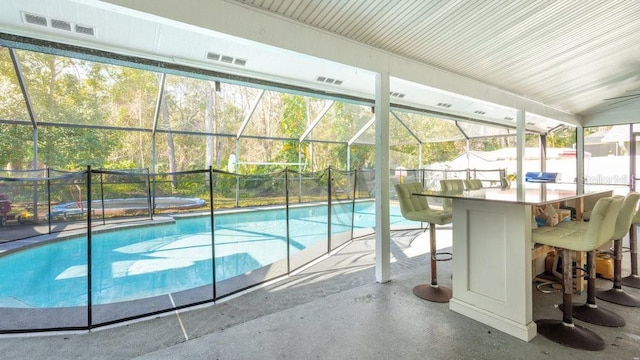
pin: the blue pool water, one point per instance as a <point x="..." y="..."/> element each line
<point x="142" y="262"/>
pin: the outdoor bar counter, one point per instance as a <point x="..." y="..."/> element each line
<point x="492" y="273"/>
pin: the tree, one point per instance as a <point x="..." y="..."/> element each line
<point x="292" y="125"/>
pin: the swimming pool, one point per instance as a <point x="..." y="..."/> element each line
<point x="145" y="262"/>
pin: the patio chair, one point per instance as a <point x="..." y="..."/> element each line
<point x="416" y="208"/>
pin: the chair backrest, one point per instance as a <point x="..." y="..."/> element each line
<point x="452" y="185"/>
<point x="404" y="197"/>
<point x="410" y="203"/>
<point x="476" y="184"/>
<point x="602" y="222"/>
<point x="504" y="183"/>
<point x="636" y="218"/>
<point x="626" y="215"/>
<point x="444" y="185"/>
<point x="416" y="207"/>
<point x="420" y="202"/>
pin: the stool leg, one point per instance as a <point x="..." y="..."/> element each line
<point x="433" y="292"/>
<point x="590" y="312"/>
<point x="565" y="332"/>
<point x="633" y="280"/>
<point x="616" y="294"/>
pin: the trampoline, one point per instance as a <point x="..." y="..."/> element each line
<point x="125" y="205"/>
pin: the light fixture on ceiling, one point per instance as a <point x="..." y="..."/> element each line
<point x="57" y="24"/>
<point x="226" y="59"/>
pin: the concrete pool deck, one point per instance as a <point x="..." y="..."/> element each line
<point x="333" y="309"/>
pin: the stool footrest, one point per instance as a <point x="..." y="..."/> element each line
<point x="442" y="256"/>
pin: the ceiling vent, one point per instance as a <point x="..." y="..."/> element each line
<point x="397" y="95"/>
<point x="329" y="80"/>
<point x="508" y="118"/>
<point x="226" y="59"/>
<point x="479" y="112"/>
<point x="57" y="24"/>
<point x="61" y="25"/>
<point x="444" y="105"/>
<point x="34" y="19"/>
<point x="85" y="30"/>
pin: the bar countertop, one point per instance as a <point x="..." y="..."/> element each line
<point x="539" y="195"/>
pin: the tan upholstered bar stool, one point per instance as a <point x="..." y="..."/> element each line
<point x="590" y="312"/>
<point x="633" y="279"/>
<point x="472" y="184"/>
<point x="416" y="208"/>
<point x="504" y="183"/>
<point x="476" y="184"/>
<point x="616" y="294"/>
<point x="565" y="332"/>
<point x="451" y="186"/>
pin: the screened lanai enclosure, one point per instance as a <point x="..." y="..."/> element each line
<point x="130" y="187"/>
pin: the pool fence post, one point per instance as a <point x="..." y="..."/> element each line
<point x="353" y="201"/>
<point x="286" y="201"/>
<point x="213" y="237"/>
<point x="48" y="199"/>
<point x="150" y="200"/>
<point x="330" y="180"/>
<point x="102" y="196"/>
<point x="89" y="290"/>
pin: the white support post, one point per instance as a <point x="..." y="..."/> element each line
<point x="580" y="160"/>
<point x="383" y="230"/>
<point x="520" y="154"/>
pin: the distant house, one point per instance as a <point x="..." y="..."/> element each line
<point x="610" y="142"/>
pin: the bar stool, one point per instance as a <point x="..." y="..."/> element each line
<point x="472" y="184"/>
<point x="505" y="183"/>
<point x="616" y="294"/>
<point x="633" y="280"/>
<point x="416" y="208"/>
<point x="451" y="186"/>
<point x="565" y="332"/>
<point x="476" y="184"/>
<point x="590" y="312"/>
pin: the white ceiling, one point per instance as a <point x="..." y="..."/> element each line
<point x="555" y="59"/>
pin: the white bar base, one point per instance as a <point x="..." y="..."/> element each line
<point x="522" y="332"/>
